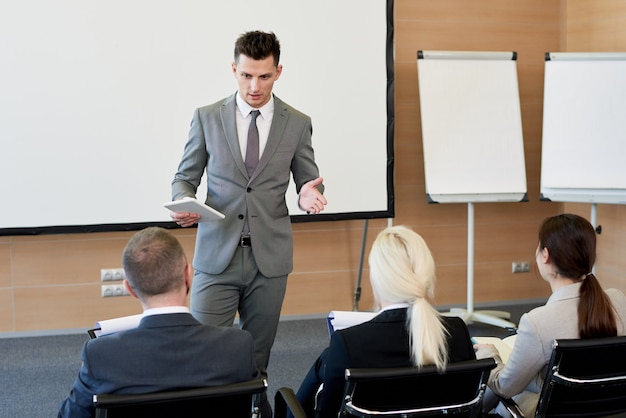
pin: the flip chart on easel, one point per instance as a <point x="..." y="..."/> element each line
<point x="584" y="125"/>
<point x="471" y="126"/>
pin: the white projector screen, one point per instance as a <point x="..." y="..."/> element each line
<point x="584" y="125"/>
<point x="97" y="97"/>
<point x="471" y="126"/>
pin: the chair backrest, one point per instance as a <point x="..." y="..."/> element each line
<point x="233" y="400"/>
<point x="413" y="392"/>
<point x="585" y="378"/>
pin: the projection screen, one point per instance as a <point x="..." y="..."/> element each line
<point x="97" y="98"/>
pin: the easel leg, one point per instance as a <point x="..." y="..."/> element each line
<point x="357" y="290"/>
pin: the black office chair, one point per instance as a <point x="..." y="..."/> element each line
<point x="406" y="392"/>
<point x="245" y="399"/>
<point x="585" y="378"/>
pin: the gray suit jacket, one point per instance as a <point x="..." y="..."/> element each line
<point x="213" y="146"/>
<point x="527" y="364"/>
<point x="167" y="351"/>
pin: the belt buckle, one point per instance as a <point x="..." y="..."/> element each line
<point x="244" y="242"/>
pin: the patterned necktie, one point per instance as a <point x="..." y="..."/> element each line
<point x="252" y="151"/>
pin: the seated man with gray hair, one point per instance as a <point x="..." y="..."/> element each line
<point x="169" y="349"/>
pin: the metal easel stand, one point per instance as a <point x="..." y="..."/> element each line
<point x="469" y="315"/>
<point x="357" y="290"/>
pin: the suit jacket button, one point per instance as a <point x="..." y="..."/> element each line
<point x="240" y="216"/>
<point x="249" y="189"/>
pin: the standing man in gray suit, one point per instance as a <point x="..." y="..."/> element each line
<point x="242" y="262"/>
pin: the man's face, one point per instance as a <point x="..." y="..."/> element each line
<point x="256" y="79"/>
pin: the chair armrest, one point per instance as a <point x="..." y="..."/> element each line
<point x="285" y="401"/>
<point x="512" y="407"/>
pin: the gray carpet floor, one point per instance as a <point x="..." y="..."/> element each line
<point x="36" y="372"/>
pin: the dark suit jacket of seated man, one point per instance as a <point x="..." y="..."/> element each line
<point x="169" y="349"/>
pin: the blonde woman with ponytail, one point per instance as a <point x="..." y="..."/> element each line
<point x="406" y="331"/>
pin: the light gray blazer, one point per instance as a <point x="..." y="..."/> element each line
<point x="557" y="319"/>
<point x="213" y="146"/>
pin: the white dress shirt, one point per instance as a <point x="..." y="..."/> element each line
<point x="263" y="123"/>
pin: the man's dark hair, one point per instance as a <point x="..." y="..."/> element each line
<point x="258" y="46"/>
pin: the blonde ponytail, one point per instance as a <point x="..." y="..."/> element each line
<point x="402" y="270"/>
<point x="428" y="335"/>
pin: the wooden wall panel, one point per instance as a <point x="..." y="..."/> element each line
<point x="65" y="259"/>
<point x="326" y="256"/>
<point x="323" y="292"/>
<point x="73" y="258"/>
<point x="531" y="12"/>
<point x="78" y="306"/>
<point x="6" y="310"/>
<point x="594" y="25"/>
<point x="5" y="262"/>
<point x="6" y="286"/>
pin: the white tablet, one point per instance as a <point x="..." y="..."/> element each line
<point x="189" y="204"/>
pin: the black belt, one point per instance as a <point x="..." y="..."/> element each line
<point x="244" y="242"/>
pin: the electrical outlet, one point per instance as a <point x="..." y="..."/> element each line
<point x="109" y="290"/>
<point x="106" y="275"/>
<point x="112" y="274"/>
<point x="119" y="274"/>
<point x="521" y="267"/>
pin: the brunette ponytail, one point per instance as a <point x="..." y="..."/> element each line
<point x="596" y="318"/>
<point x="571" y="241"/>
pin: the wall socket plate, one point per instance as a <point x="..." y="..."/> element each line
<point x="112" y="274"/>
<point x="109" y="290"/>
<point x="521" y="267"/>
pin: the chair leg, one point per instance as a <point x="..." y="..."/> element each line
<point x="286" y="404"/>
